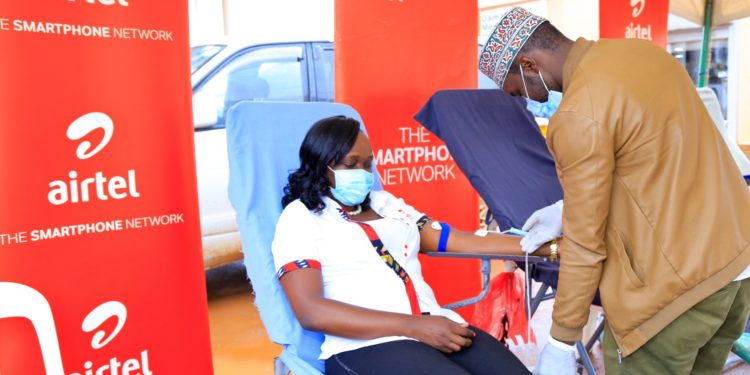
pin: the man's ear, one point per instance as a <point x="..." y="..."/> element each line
<point x="528" y="64"/>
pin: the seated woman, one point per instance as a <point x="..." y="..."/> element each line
<point x="347" y="260"/>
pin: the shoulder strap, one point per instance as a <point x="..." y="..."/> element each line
<point x="386" y="256"/>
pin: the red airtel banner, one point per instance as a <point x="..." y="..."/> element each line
<point x="100" y="254"/>
<point x="634" y="19"/>
<point x="391" y="56"/>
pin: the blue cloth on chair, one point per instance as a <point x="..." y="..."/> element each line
<point x="263" y="144"/>
<point x="498" y="146"/>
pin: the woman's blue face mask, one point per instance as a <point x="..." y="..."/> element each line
<point x="352" y="185"/>
<point x="546" y="109"/>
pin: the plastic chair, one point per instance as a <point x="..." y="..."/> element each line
<point x="263" y="140"/>
<point x="497" y="144"/>
<point x="708" y="96"/>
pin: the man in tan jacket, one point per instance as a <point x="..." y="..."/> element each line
<point x="656" y="214"/>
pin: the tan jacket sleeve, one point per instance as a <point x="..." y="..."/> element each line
<point x="584" y="156"/>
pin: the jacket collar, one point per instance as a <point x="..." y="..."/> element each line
<point x="580" y="46"/>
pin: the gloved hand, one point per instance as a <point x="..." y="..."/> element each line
<point x="544" y="225"/>
<point x="557" y="358"/>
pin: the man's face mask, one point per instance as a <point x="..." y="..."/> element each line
<point x="352" y="185"/>
<point x="546" y="109"/>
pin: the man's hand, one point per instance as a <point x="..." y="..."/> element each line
<point x="441" y="333"/>
<point x="544" y="225"/>
<point x="557" y="358"/>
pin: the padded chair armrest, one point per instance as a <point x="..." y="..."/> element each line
<point x="515" y="258"/>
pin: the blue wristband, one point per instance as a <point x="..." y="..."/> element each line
<point x="444" y="233"/>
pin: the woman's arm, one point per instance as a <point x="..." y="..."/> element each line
<point x="464" y="242"/>
<point x="304" y="290"/>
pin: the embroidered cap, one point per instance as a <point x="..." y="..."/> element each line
<point x="511" y="33"/>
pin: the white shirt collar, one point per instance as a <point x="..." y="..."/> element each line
<point x="377" y="203"/>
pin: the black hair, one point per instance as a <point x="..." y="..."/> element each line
<point x="546" y="36"/>
<point x="328" y="141"/>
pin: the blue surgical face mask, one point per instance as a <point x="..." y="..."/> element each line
<point x="352" y="185"/>
<point x="546" y="109"/>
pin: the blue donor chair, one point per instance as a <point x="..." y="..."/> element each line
<point x="263" y="145"/>
<point x="498" y="146"/>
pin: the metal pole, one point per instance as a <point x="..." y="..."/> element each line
<point x="705" y="50"/>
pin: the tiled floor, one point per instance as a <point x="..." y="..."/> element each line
<point x="241" y="346"/>
<point x="239" y="341"/>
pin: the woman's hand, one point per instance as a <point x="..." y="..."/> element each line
<point x="441" y="333"/>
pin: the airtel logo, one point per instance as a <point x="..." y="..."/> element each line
<point x="83" y="126"/>
<point x="638" y="6"/>
<point x="106" y="2"/>
<point x="98" y="186"/>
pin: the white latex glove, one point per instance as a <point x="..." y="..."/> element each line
<point x="557" y="358"/>
<point x="544" y="225"/>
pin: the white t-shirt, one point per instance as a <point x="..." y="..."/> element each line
<point x="743" y="275"/>
<point x="352" y="270"/>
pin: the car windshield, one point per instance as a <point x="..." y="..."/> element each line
<point x="199" y="55"/>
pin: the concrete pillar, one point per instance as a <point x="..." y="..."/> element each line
<point x="279" y="19"/>
<point x="206" y="20"/>
<point x="742" y="120"/>
<point x="575" y="18"/>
